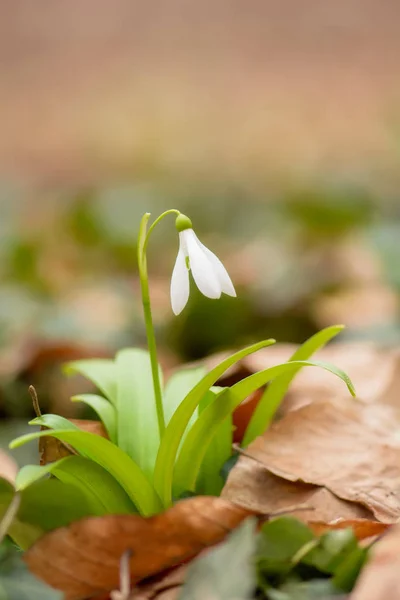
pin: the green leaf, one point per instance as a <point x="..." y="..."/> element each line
<point x="138" y="433"/>
<point x="178" y="386"/>
<point x="54" y="422"/>
<point x="175" y="429"/>
<point x="205" y="428"/>
<point x="104" y="493"/>
<point x="209" y="480"/>
<point x="247" y="386"/>
<point x="316" y="589"/>
<point x="45" y="505"/>
<point x="17" y="583"/>
<point x="225" y="572"/>
<point x="111" y="458"/>
<point x="48" y="504"/>
<point x="7" y="494"/>
<point x="100" y="371"/>
<point x="104" y="409"/>
<point x="279" y="541"/>
<point x="22" y="533"/>
<point x="276" y="391"/>
<point x="333" y="547"/>
<point x="348" y="571"/>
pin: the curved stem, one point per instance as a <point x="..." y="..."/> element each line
<point x="143" y="240"/>
<point x="171" y="211"/>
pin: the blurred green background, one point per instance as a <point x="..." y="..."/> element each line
<point x="273" y="125"/>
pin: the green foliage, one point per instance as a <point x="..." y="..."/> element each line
<point x="279" y="542"/>
<point x="134" y="470"/>
<point x="104" y="409"/>
<point x="284" y="561"/>
<point x="225" y="572"/>
<point x="103" y="492"/>
<point x="44" y="505"/>
<point x="209" y="480"/>
<point x="17" y="583"/>
<point x="137" y="425"/>
<point x="164" y="468"/>
<point x="208" y="423"/>
<point x="101" y="371"/>
<point x="177" y="388"/>
<point x="204" y="440"/>
<point x="111" y="458"/>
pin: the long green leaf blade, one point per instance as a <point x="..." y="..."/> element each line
<point x="54" y="422"/>
<point x="277" y="389"/>
<point x="100" y="371"/>
<point x="209" y="481"/>
<point x="45" y="505"/>
<point x="166" y="456"/>
<point x="178" y="387"/>
<point x="138" y="433"/>
<point x="49" y="504"/>
<point x="104" y="493"/>
<point x="111" y="458"/>
<point x="104" y="409"/>
<point x="202" y="432"/>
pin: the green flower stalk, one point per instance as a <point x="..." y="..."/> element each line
<point x="208" y="272"/>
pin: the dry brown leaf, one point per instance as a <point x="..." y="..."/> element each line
<point x="380" y="578"/>
<point x="250" y="485"/>
<point x="363" y="528"/>
<point x="348" y="448"/>
<point x="8" y="467"/>
<point x="84" y="559"/>
<point x="52" y="449"/>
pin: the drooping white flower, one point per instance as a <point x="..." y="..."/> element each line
<point x="208" y="272"/>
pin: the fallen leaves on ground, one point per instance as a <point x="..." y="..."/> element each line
<point x="342" y="458"/>
<point x="380" y="578"/>
<point x="363" y="529"/>
<point x="84" y="559"/>
<point x="252" y="486"/>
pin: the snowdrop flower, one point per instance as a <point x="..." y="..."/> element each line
<point x="208" y="271"/>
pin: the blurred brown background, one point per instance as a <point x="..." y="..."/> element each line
<point x="94" y="89"/>
<point x="275" y="125"/>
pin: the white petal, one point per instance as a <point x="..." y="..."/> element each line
<point x="222" y="274"/>
<point x="201" y="267"/>
<point x="179" y="283"/>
